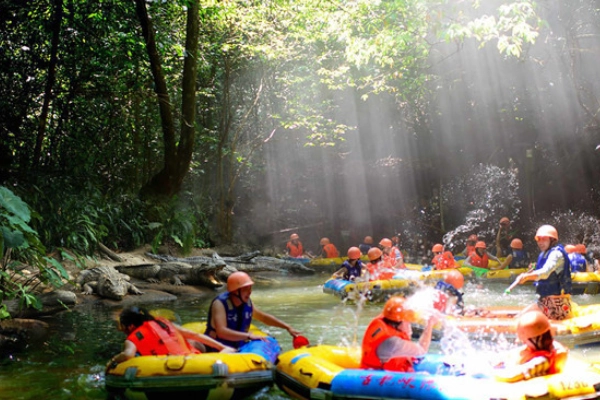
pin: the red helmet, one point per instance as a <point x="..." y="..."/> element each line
<point x="385" y="242"/>
<point x="546" y="231"/>
<point x="374" y="253"/>
<point x="532" y="324"/>
<point x="480" y="245"/>
<point x="354" y="253"/>
<point x="570" y="248"/>
<point x="472" y="238"/>
<point x="455" y="278"/>
<point x="238" y="280"/>
<point x="437" y="248"/>
<point x="394" y="310"/>
<point x="516" y="244"/>
<point x="294" y="236"/>
<point x="324" y="241"/>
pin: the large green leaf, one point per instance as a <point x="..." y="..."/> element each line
<point x="13" y="204"/>
<point x="12" y="239"/>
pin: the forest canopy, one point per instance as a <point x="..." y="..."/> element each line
<point x="203" y="122"/>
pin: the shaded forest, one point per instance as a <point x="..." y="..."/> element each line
<point x="201" y="122"/>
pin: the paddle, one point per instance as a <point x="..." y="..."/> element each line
<point x="512" y="286"/>
<point x="300" y="341"/>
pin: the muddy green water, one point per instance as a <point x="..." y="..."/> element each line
<point x="70" y="364"/>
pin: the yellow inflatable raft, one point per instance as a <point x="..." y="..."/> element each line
<point x="582" y="328"/>
<point x="198" y="376"/>
<point x="333" y="372"/>
<point x="404" y="282"/>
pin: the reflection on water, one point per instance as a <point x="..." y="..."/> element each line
<point x="71" y="363"/>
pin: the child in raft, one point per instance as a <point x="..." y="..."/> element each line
<point x="480" y="258"/>
<point x="540" y="355"/>
<point x="352" y="268"/>
<point x="442" y="259"/>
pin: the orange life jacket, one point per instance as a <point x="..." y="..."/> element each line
<point x="377" y="332"/>
<point x="151" y="339"/>
<point x="444" y="260"/>
<point x="380" y="271"/>
<point x="469" y="250"/>
<point x="481" y="262"/>
<point x="295" y="250"/>
<point x="557" y="357"/>
<point x="330" y="251"/>
<point x="390" y="259"/>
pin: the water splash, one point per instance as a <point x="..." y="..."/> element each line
<point x="484" y="195"/>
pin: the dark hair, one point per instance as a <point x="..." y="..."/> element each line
<point x="136" y="316"/>
<point x="543" y="341"/>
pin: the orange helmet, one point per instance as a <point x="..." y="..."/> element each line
<point x="394" y="310"/>
<point x="294" y="236"/>
<point x="238" y="280"/>
<point x="368" y="240"/>
<point x="472" y="238"/>
<point x="504" y="221"/>
<point x="385" y="242"/>
<point x="374" y="253"/>
<point x="532" y="324"/>
<point x="516" y="244"/>
<point x="580" y="248"/>
<point x="480" y="245"/>
<point x="570" y="248"/>
<point x="437" y="248"/>
<point x="455" y="278"/>
<point x="546" y="231"/>
<point x="354" y="253"/>
<point x="324" y="241"/>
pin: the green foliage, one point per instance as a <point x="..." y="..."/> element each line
<point x="19" y="245"/>
<point x="178" y="222"/>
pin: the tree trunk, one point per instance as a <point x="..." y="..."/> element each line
<point x="41" y="133"/>
<point x="177" y="158"/>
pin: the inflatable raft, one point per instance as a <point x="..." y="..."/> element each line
<point x="332" y="372"/>
<point x="197" y="376"/>
<point x="581" y="329"/>
<point x="404" y="282"/>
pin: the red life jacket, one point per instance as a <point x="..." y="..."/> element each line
<point x="380" y="271"/>
<point x="151" y="339"/>
<point x="444" y="260"/>
<point x="330" y="251"/>
<point x="293" y="250"/>
<point x="557" y="357"/>
<point x="377" y="332"/>
<point x="469" y="250"/>
<point x="481" y="262"/>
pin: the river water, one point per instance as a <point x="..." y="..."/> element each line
<point x="70" y="363"/>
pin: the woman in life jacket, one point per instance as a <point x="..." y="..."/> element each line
<point x="352" y="268"/>
<point x="540" y="355"/>
<point x="231" y="313"/>
<point x="148" y="335"/>
<point x="387" y="341"/>
<point x="551" y="276"/>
